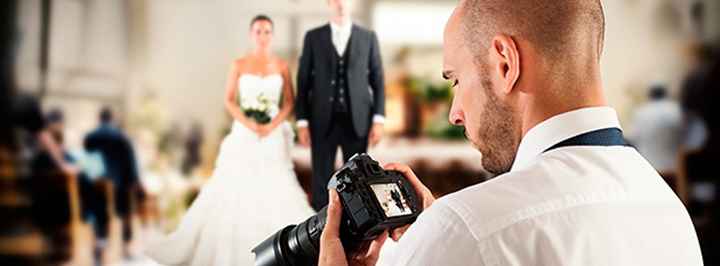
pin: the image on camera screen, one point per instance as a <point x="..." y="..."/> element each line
<point x="391" y="199"/>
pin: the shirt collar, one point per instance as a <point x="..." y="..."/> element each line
<point x="344" y="28"/>
<point x="562" y="127"/>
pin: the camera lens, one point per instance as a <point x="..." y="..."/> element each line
<point x="271" y="251"/>
<point x="294" y="245"/>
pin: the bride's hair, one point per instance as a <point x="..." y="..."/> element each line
<point x="261" y="17"/>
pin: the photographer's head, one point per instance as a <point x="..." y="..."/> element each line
<point x="514" y="64"/>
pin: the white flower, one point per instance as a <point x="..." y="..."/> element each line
<point x="273" y="111"/>
<point x="254" y="104"/>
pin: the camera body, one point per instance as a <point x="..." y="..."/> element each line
<point x="373" y="201"/>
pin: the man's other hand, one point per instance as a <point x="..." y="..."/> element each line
<point x="331" y="249"/>
<point x="426" y="197"/>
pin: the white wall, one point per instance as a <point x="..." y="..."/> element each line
<point x="88" y="59"/>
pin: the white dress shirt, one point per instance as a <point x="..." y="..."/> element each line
<point x="657" y="133"/>
<point x="340" y="39"/>
<point x="341" y="35"/>
<point x="580" y="205"/>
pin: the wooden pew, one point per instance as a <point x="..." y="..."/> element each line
<point x="20" y="242"/>
<point x="56" y="211"/>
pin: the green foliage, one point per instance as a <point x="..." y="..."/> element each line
<point x="440" y="128"/>
<point x="427" y="91"/>
<point x="259" y="116"/>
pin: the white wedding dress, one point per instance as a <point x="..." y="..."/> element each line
<point x="252" y="194"/>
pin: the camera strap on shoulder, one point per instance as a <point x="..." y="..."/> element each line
<point x="602" y="137"/>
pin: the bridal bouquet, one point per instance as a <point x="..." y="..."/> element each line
<point x="258" y="109"/>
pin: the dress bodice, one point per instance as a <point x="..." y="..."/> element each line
<point x="257" y="92"/>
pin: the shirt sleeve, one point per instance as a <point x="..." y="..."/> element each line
<point x="379" y="119"/>
<point x="438" y="237"/>
<point x="302" y="123"/>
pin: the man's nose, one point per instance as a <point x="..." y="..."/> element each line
<point x="456" y="116"/>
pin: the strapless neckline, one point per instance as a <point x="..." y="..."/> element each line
<point x="260" y="76"/>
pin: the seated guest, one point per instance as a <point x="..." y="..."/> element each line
<point x="52" y="202"/>
<point x="88" y="202"/>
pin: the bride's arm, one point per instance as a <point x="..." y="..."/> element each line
<point x="288" y="99"/>
<point x="231" y="104"/>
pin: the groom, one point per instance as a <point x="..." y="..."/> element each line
<point x="341" y="94"/>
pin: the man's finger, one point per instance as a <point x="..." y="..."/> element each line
<point x="374" y="250"/>
<point x="397" y="233"/>
<point x="408" y="173"/>
<point x="423" y="192"/>
<point x="331" y="249"/>
<point x="334" y="215"/>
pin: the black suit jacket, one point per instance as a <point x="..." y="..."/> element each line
<point x="118" y="155"/>
<point x="366" y="82"/>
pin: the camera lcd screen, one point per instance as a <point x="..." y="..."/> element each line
<point x="391" y="199"/>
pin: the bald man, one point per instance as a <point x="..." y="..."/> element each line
<point x="569" y="190"/>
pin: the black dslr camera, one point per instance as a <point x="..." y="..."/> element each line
<point x="373" y="200"/>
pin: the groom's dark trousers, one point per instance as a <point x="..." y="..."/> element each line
<point x="324" y="152"/>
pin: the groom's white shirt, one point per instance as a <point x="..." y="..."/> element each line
<point x="341" y="35"/>
<point x="585" y="205"/>
<point x="340" y="39"/>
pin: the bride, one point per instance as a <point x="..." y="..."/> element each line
<point x="253" y="191"/>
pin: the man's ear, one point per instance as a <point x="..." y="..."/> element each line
<point x="507" y="58"/>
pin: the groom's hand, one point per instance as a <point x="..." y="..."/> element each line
<point x="376" y="133"/>
<point x="304" y="136"/>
